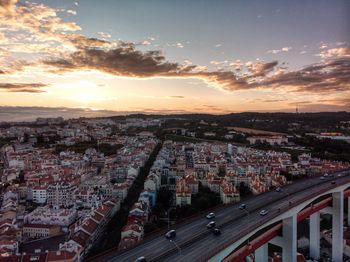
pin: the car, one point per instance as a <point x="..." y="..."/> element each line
<point x="210" y="215"/>
<point x="216" y="231"/>
<point x="242" y="206"/>
<point x="322" y="178"/>
<point x="171" y="234"/>
<point x="340" y="175"/>
<point x="263" y="212"/>
<point x="325" y="175"/>
<point x="333" y="182"/>
<point x="141" y="259"/>
<point x="278" y="189"/>
<point x="211" y="224"/>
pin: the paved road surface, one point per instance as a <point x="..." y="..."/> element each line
<point x="196" y="241"/>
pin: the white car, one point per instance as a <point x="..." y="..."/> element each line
<point x="171" y="234"/>
<point x="211" y="224"/>
<point x="263" y="212"/>
<point x="210" y="215"/>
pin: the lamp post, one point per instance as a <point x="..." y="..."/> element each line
<point x="177" y="246"/>
<point x="248" y="218"/>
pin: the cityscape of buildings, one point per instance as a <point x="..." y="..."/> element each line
<point x="58" y="186"/>
<point x="138" y="131"/>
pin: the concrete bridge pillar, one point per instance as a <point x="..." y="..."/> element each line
<point x="337" y="227"/>
<point x="289" y="253"/>
<point x="262" y="253"/>
<point x="315" y="235"/>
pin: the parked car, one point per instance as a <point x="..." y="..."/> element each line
<point x="263" y="212"/>
<point x="322" y="178"/>
<point x="242" y="206"/>
<point x="141" y="259"/>
<point x="216" y="231"/>
<point x="278" y="189"/>
<point x="210" y="215"/>
<point x="211" y="224"/>
<point x="171" y="234"/>
<point x="333" y="182"/>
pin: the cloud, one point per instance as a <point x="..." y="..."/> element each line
<point x="218" y="62"/>
<point x="23" y="87"/>
<point x="335" y="52"/>
<point x="35" y="27"/>
<point x="104" y="35"/>
<point x="177" y="97"/>
<point x="323" y="46"/>
<point x="329" y="76"/>
<point x="261" y="69"/>
<point x="179" y="45"/>
<point x="273" y="100"/>
<point x="276" y="51"/>
<point x="72" y="12"/>
<point x="126" y="61"/>
<point x="7" y="6"/>
<point x="299" y="103"/>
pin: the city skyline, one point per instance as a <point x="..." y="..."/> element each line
<point x="183" y="57"/>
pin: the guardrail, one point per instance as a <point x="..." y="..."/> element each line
<point x="115" y="252"/>
<point x="200" y="235"/>
<point x="263" y="221"/>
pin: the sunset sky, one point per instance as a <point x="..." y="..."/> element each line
<point x="176" y="56"/>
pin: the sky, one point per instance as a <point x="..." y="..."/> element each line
<point x="162" y="56"/>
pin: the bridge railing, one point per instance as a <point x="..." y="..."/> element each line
<point x="263" y="221"/>
<point x="114" y="251"/>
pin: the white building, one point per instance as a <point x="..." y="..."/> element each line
<point x="61" y="194"/>
<point x="39" y="194"/>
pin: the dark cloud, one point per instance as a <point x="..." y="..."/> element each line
<point x="273" y="100"/>
<point x="261" y="69"/>
<point x="125" y="60"/>
<point x="300" y="103"/>
<point x="23" y="87"/>
<point x="177" y="96"/>
<point x="7" y="5"/>
<point x="329" y="76"/>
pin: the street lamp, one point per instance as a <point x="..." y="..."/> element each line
<point x="177" y="246"/>
<point x="248" y="218"/>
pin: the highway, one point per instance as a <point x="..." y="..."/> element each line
<point x="194" y="242"/>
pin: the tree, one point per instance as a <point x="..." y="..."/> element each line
<point x="287" y="175"/>
<point x="243" y="189"/>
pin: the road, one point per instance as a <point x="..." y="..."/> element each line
<point x="196" y="242"/>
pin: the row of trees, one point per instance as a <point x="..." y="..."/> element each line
<point x="116" y="224"/>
